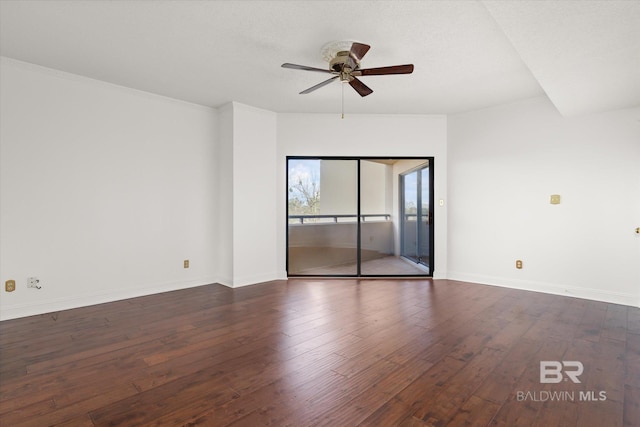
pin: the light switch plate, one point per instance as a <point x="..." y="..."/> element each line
<point x="555" y="199"/>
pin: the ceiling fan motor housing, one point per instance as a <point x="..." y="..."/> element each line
<point x="344" y="64"/>
<point x="343" y="60"/>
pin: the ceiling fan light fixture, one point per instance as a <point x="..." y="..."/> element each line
<point x="331" y="49"/>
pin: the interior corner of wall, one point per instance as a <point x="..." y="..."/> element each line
<point x="226" y="107"/>
<point x="226" y="281"/>
<point x="440" y="274"/>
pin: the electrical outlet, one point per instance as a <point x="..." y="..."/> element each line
<point x="519" y="264"/>
<point x="186" y="263"/>
<point x="33" y="282"/>
<point x="10" y="285"/>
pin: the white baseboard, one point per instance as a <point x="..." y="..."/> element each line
<point x="548" y="288"/>
<point x="226" y="281"/>
<point x="254" y="280"/>
<point x="59" y="304"/>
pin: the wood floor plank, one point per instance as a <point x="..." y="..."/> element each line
<point x="281" y="395"/>
<point x="633" y="320"/>
<point x="508" y="373"/>
<point x="592" y="322"/>
<point x="549" y="416"/>
<point x="313" y="410"/>
<point x="615" y="323"/>
<point x="316" y="352"/>
<point x="356" y="410"/>
<point x="453" y="396"/>
<point x="392" y="413"/>
<point x="474" y="411"/>
<point x="631" y="410"/>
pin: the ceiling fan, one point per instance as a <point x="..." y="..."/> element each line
<point x="345" y="65"/>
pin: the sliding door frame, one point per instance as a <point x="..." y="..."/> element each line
<point x="429" y="159"/>
<point x="403" y="222"/>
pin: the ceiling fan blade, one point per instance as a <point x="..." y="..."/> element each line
<point x="304" y="67"/>
<point x="358" y="50"/>
<point x="360" y="87"/>
<point x="319" y="85"/>
<point x="394" y="69"/>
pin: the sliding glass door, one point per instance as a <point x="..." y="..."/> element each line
<point x="345" y="217"/>
<point x="322" y="216"/>
<point x="415" y="187"/>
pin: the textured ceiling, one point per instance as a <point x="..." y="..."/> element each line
<point x="585" y="55"/>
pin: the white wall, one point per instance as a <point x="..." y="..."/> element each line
<point x="104" y="191"/>
<point x="375" y="188"/>
<point x="225" y="182"/>
<point x="505" y="162"/>
<point x="254" y="196"/>
<point x="338" y="187"/>
<point x="371" y="136"/>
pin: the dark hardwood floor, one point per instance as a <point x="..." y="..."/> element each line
<point x="326" y="353"/>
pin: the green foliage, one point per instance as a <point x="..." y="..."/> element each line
<point x="304" y="197"/>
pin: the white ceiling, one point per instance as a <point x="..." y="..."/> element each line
<point x="585" y="55"/>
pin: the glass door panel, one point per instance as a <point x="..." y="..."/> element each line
<point x="323" y="217"/>
<point x="410" y="216"/>
<point x="424" y="216"/>
<point x="376" y="225"/>
<point x="416" y="216"/>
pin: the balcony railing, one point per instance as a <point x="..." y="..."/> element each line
<point x="319" y="219"/>
<point x="411" y="217"/>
